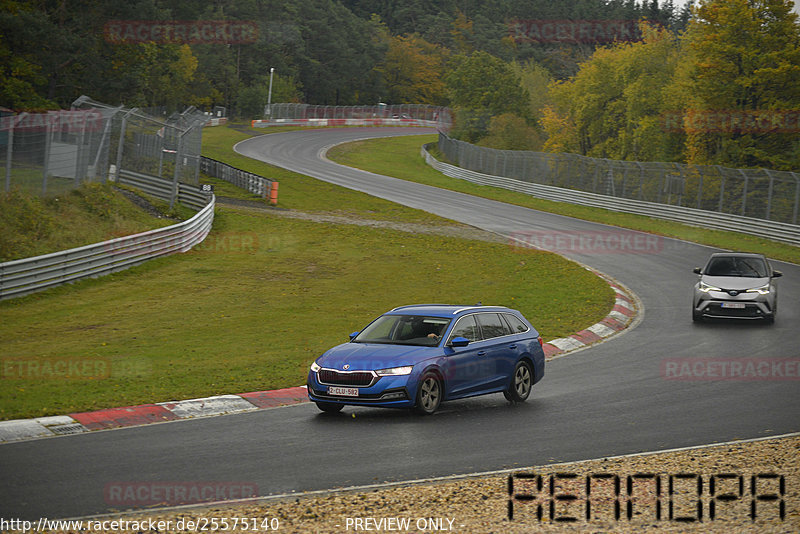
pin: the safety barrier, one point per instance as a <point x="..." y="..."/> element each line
<point x="420" y="123"/>
<point x="29" y="275"/>
<point x="784" y="232"/>
<point x="253" y="183"/>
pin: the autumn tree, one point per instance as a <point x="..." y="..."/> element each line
<point x="613" y="107"/>
<point x="743" y="75"/>
<point x="412" y="71"/>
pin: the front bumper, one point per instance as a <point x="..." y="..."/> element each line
<point x="387" y="391"/>
<point x="719" y="305"/>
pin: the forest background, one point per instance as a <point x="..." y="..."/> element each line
<point x="714" y="82"/>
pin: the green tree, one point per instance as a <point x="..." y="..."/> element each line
<point x="744" y="60"/>
<point x="481" y="86"/>
<point x="613" y="106"/>
<point x="412" y="71"/>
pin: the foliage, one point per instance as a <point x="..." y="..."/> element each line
<point x="412" y="71"/>
<point x="612" y="108"/>
<point x="510" y="132"/>
<point x="481" y="86"/>
<point x="744" y="60"/>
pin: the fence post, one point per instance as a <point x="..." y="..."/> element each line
<point x="721" y="187"/>
<point x="10" y="148"/>
<point x="796" y="198"/>
<point x="700" y="189"/>
<point x="47" y="141"/>
<point x="769" y="193"/>
<point x="641" y="180"/>
<point x="176" y="173"/>
<point x="82" y="155"/>
<point x="744" y="191"/>
<point x="122" y="128"/>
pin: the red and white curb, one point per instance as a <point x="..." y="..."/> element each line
<point x="76" y="423"/>
<point x="626" y="313"/>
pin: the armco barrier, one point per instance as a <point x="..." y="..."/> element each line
<point x="253" y="183"/>
<point x="25" y="276"/>
<point x="787" y="233"/>
<point x="420" y="123"/>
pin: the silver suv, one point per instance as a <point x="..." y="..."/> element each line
<point x="736" y="285"/>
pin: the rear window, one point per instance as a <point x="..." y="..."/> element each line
<point x="516" y="325"/>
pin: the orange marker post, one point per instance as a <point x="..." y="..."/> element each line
<point x="273" y="193"/>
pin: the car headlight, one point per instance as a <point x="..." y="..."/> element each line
<point x="395" y="371"/>
<point x="315" y="367"/>
<point x="763" y="290"/>
<point x="706" y="288"/>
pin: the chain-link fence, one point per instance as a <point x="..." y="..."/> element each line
<point x="757" y="193"/>
<point x="438" y="114"/>
<point x="164" y="147"/>
<point x="49" y="153"/>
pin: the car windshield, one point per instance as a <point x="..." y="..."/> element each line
<point x="737" y="266"/>
<point x="404" y="330"/>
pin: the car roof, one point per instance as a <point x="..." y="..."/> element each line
<point x="443" y="310"/>
<point x="737" y="255"/>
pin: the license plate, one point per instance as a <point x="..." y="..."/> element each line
<point x="343" y="392"/>
<point x="734" y="305"/>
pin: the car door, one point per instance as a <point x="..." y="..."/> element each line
<point x="464" y="365"/>
<point x="501" y="351"/>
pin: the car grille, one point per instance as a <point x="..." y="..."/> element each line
<point x="354" y="379"/>
<point x="749" y="311"/>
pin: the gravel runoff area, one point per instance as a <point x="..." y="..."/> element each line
<point x="682" y="501"/>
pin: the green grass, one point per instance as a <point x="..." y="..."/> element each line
<point x="255" y="304"/>
<point x="399" y="157"/>
<point x="31" y="225"/>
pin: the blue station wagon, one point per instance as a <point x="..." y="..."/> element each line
<point x="419" y="356"/>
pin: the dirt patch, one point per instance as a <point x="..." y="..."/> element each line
<point x="462" y="231"/>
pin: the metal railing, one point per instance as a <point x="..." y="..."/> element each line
<point x="788" y="233"/>
<point x="29" y="275"/>
<point x="435" y="116"/>
<point x="253" y="183"/>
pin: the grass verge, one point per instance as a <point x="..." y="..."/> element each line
<point x="399" y="157"/>
<point x="251" y="307"/>
<point x="31" y="225"/>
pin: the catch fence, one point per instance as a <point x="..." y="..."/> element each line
<point x="755" y="193"/>
<point x="50" y="153"/>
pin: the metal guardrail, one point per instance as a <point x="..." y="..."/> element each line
<point x="784" y="232"/>
<point x="253" y="183"/>
<point x="29" y="275"/>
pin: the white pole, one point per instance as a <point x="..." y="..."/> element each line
<point x="269" y="96"/>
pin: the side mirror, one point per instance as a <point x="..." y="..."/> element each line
<point x="776" y="274"/>
<point x="353" y="335"/>
<point x="459" y="342"/>
<point x="697" y="270"/>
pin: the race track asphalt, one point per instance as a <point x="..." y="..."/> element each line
<point x="611" y="399"/>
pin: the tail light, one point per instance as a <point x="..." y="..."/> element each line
<point x="539" y="339"/>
